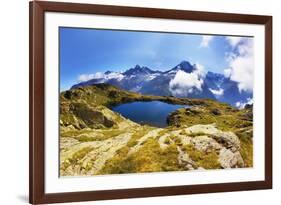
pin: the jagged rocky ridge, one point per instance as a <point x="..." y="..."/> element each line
<point x="95" y="140"/>
<point x="144" y="80"/>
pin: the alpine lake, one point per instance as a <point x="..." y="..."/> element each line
<point x="153" y="113"/>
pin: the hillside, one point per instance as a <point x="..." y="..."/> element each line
<point x="95" y="140"/>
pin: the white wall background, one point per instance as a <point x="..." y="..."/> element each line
<point x="14" y="100"/>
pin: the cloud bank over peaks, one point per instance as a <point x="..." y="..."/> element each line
<point x="241" y="62"/>
<point x="99" y="75"/>
<point x="185" y="83"/>
<point x="86" y="77"/>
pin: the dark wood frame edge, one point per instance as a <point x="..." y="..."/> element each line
<point x="37" y="194"/>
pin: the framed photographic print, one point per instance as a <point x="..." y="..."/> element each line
<point x="139" y="102"/>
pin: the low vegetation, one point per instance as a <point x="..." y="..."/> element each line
<point x="95" y="140"/>
<point x="149" y="158"/>
<point x="207" y="160"/>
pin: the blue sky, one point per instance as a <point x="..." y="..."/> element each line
<point x="87" y="51"/>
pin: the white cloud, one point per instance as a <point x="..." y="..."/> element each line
<point x="242" y="72"/>
<point x="184" y="83"/>
<point x="200" y="70"/>
<point x="234" y="40"/>
<point x="218" y="92"/>
<point x="205" y="41"/>
<point x="86" y="77"/>
<point x="227" y="72"/>
<point x="99" y="75"/>
<point x="241" y="105"/>
<point x="241" y="63"/>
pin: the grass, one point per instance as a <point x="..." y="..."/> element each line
<point x="87" y="135"/>
<point x="246" y="149"/>
<point x="229" y="118"/>
<point x="206" y="160"/>
<point x="80" y="154"/>
<point x="137" y="135"/>
<point x="177" y="141"/>
<point x="169" y="158"/>
<point x="167" y="141"/>
<point x="73" y="133"/>
<point x="74" y="160"/>
<point x="149" y="158"/>
<point x="119" y="164"/>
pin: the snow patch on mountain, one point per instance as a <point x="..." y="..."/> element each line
<point x="152" y="76"/>
<point x="114" y="75"/>
<point x="218" y="92"/>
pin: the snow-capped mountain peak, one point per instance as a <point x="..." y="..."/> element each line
<point x="184" y="66"/>
<point x="138" y="70"/>
<point x="186" y="79"/>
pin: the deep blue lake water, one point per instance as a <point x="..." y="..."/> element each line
<point x="154" y="113"/>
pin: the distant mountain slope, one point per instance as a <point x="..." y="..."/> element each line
<point x="183" y="80"/>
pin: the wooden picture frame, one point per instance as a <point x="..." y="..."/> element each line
<point x="37" y="98"/>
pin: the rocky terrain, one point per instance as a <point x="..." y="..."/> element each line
<point x="95" y="140"/>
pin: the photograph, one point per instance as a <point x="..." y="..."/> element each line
<point x="149" y="101"/>
<point x="132" y="102"/>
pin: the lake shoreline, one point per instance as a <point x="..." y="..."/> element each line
<point x="154" y="113"/>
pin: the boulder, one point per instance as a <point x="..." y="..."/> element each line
<point x="202" y="129"/>
<point x="228" y="159"/>
<point x="205" y="144"/>
<point x="228" y="139"/>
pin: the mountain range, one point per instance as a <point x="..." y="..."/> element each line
<point x="183" y="80"/>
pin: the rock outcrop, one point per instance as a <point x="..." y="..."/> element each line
<point x="203" y="139"/>
<point x="95" y="140"/>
